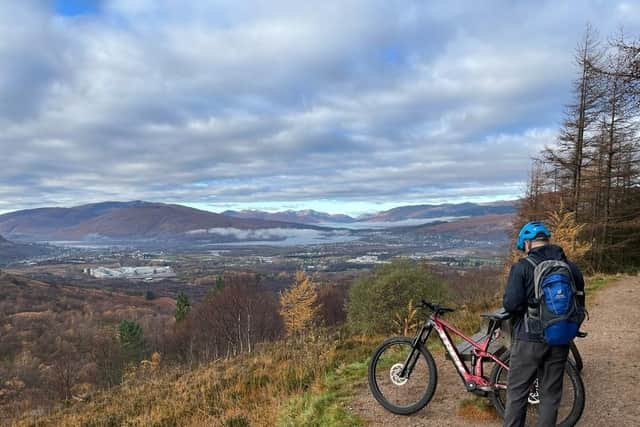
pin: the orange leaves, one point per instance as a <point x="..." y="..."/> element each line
<point x="565" y="232"/>
<point x="299" y="306"/>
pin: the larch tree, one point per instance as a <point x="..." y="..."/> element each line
<point x="565" y="231"/>
<point x="569" y="155"/>
<point x="591" y="175"/>
<point x="299" y="307"/>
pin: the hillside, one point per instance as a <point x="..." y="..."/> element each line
<point x="444" y="210"/>
<point x="11" y="252"/>
<point x="116" y="220"/>
<point x="58" y="339"/>
<point x="325" y="384"/>
<point x="494" y="227"/>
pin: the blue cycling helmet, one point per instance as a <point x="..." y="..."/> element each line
<point x="530" y="231"/>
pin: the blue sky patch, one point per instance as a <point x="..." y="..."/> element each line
<point x="76" y="7"/>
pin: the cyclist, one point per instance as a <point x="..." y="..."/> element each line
<point x="530" y="355"/>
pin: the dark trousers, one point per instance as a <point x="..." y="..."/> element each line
<point x="528" y="361"/>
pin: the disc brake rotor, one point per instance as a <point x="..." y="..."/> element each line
<point x="395" y="372"/>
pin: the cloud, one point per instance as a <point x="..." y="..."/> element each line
<point x="218" y="103"/>
<point x="274" y="235"/>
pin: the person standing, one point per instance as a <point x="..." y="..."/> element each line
<point x="531" y="356"/>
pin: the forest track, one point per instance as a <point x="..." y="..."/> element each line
<point x="611" y="373"/>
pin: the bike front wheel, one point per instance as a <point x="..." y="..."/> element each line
<point x="399" y="394"/>
<point x="571" y="403"/>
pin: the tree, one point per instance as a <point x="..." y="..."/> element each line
<point x="592" y="175"/>
<point x="107" y="353"/>
<point x="132" y="340"/>
<point x="566" y="233"/>
<point x="65" y="370"/>
<point x="569" y="156"/>
<point x="331" y="304"/>
<point x="377" y="298"/>
<point x="183" y="307"/>
<point x="233" y="320"/>
<point x="299" y="307"/>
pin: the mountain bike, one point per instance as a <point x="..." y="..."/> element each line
<point x="403" y="376"/>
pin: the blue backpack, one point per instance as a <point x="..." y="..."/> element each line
<point x="555" y="313"/>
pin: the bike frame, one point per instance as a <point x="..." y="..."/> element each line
<point x="473" y="378"/>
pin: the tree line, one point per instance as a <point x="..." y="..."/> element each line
<point x="591" y="175"/>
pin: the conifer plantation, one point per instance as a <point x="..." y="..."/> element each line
<point x="588" y="181"/>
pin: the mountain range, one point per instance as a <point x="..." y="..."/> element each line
<point x="401" y="213"/>
<point x="144" y="220"/>
<point x="122" y="220"/>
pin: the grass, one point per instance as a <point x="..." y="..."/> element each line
<point x="326" y="402"/>
<point x="597" y="281"/>
<point x="289" y="383"/>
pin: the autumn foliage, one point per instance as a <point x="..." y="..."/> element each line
<point x="299" y="308"/>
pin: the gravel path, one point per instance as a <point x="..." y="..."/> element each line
<point x="611" y="373"/>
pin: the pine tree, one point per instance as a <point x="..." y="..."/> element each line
<point x="183" y="307"/>
<point x="131" y="339"/>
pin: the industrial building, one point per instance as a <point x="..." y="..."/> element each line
<point x="139" y="273"/>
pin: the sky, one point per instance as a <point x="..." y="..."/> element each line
<point x="341" y="106"/>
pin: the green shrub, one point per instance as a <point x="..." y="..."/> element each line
<point x="377" y="299"/>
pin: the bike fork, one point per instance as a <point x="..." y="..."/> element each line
<point x="411" y="360"/>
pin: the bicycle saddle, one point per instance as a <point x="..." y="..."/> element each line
<point x="500" y="314"/>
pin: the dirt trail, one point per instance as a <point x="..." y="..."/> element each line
<point x="611" y="373"/>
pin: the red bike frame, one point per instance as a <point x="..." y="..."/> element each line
<point x="474" y="379"/>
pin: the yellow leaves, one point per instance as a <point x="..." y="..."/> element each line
<point x="406" y="322"/>
<point x="153" y="364"/>
<point x="565" y="232"/>
<point x="299" y="306"/>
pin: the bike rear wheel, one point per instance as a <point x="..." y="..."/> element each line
<point x="577" y="358"/>
<point x="571" y="404"/>
<point x="397" y="394"/>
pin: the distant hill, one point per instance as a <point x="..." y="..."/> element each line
<point x="138" y="220"/>
<point x="401" y="213"/>
<point x="11" y="252"/>
<point x="122" y="220"/>
<point x="485" y="227"/>
<point x="444" y="210"/>
<point x="307" y="216"/>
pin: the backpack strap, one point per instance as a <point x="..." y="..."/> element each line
<point x="535" y="294"/>
<point x="531" y="261"/>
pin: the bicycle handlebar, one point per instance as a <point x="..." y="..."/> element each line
<point x="435" y="307"/>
